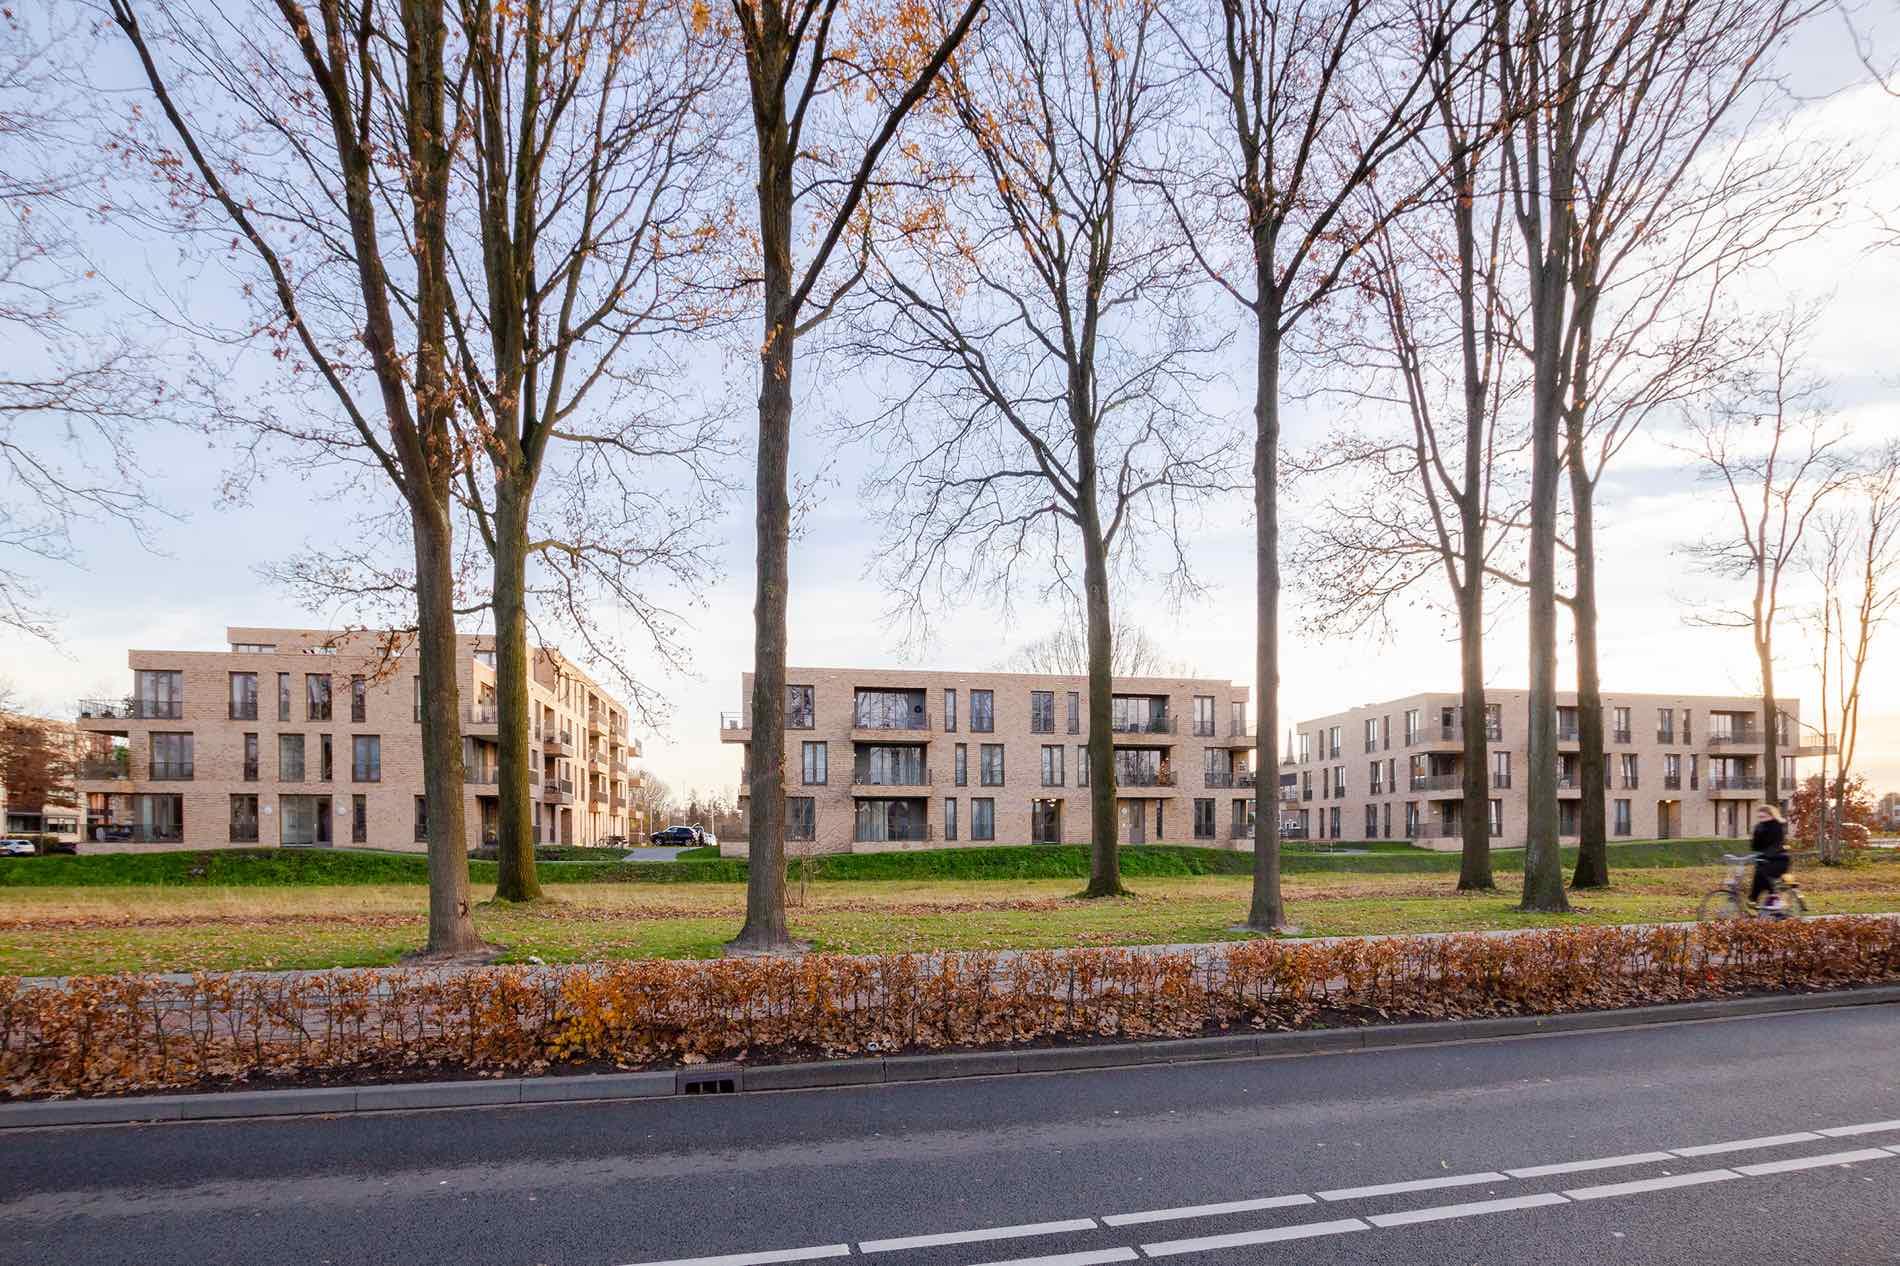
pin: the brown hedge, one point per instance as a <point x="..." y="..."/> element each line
<point x="103" y="1035"/>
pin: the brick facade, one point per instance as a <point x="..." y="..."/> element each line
<point x="887" y="776"/>
<point x="168" y="767"/>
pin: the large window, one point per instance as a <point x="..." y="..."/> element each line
<point x="950" y="818"/>
<point x="316" y="691"/>
<point x="1372" y="821"/>
<point x="1204" y="715"/>
<point x="1075" y="712"/>
<point x="161" y="694"/>
<point x="422" y="819"/>
<point x="171" y="757"/>
<point x="1052" y="765"/>
<point x="1332" y="741"/>
<point x="1374" y="785"/>
<point x="1619" y="725"/>
<point x="326" y="759"/>
<point x="366" y="758"/>
<point x="243" y="697"/>
<point x="982" y="711"/>
<point x="244" y="819"/>
<point x="1627" y="768"/>
<point x="1081" y="765"/>
<point x="990" y="764"/>
<point x="1042" y="712"/>
<point x="1497" y="819"/>
<point x="889" y="710"/>
<point x="250" y="758"/>
<point x="1045" y="822"/>
<point x="982" y="818"/>
<point x="359" y="819"/>
<point x="1203" y="819"/>
<point x="801" y="818"/>
<point x="359" y="699"/>
<point x="799" y="709"/>
<point x="814" y="764"/>
<point x="1500" y="769"/>
<point x="1622" y="817"/>
<point x="963" y="764"/>
<point x="894" y="765"/>
<point x="290" y="759"/>
<point x="950" y="711"/>
<point x="1411" y="726"/>
<point x="283" y="697"/>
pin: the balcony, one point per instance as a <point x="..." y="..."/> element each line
<point x="599" y="796"/>
<point x="1239" y="780"/>
<point x="1454" y="732"/>
<point x="619" y="804"/>
<point x="1163" y="724"/>
<point x="870" y="782"/>
<point x="1736" y="736"/>
<point x="171" y="771"/>
<point x="1620" y="736"/>
<point x="103" y="769"/>
<point x="131" y="709"/>
<point x="873" y="727"/>
<point x="558" y="743"/>
<point x="481" y="716"/>
<point x="475" y="776"/>
<point x="1569" y="785"/>
<point x="1739" y="786"/>
<point x="1568" y="733"/>
<point x="134" y="833"/>
<point x="1143" y="783"/>
<point x="597" y="722"/>
<point x="598" y="758"/>
<point x="1438" y="782"/>
<point x="735" y="727"/>
<point x="921" y="833"/>
<point x="557" y="791"/>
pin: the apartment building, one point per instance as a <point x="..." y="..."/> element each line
<point x="884" y="759"/>
<point x="311" y="738"/>
<point x="45" y="802"/>
<point x="1677" y="765"/>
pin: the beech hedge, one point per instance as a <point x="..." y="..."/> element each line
<point x="120" y="1034"/>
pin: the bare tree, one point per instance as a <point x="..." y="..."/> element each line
<point x="830" y="90"/>
<point x="79" y="386"/>
<point x="1418" y="506"/>
<point x="587" y="220"/>
<point x="1132" y="652"/>
<point x="1042" y="313"/>
<point x="1774" y="452"/>
<point x="1308" y="100"/>
<point x="319" y="139"/>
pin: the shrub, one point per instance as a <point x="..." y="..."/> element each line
<point x="105" y="1035"/>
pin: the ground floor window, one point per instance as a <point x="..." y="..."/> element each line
<point x="1335" y="821"/>
<point x="1372" y="820"/>
<point x="422" y="820"/>
<point x="950" y="806"/>
<point x="982" y="818"/>
<point x="902" y="820"/>
<point x="304" y="821"/>
<point x="1497" y="818"/>
<point x="1568" y="814"/>
<point x="1620" y="815"/>
<point x="1203" y="819"/>
<point x="801" y="818"/>
<point x="244" y="819"/>
<point x="359" y="819"/>
<point x="1045" y="821"/>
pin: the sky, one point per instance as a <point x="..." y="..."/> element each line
<point x="205" y="573"/>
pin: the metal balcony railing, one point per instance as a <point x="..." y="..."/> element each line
<point x="1501" y="782"/>
<point x="1219" y="778"/>
<point x="94" y="769"/>
<point x="1144" y="778"/>
<point x="1736" y="784"/>
<point x="866" y="777"/>
<point x="1737" y="734"/>
<point x="734" y="721"/>
<point x="481" y="777"/>
<point x="1665" y="736"/>
<point x="1240" y="729"/>
<point x="1437" y="782"/>
<point x="171" y="771"/>
<point x="242" y="710"/>
<point x="1566" y="782"/>
<point x="1244" y="831"/>
<point x="1568" y="733"/>
<point x="131" y="709"/>
<point x="888" y="721"/>
<point x="918" y="834"/>
<point x="1145" y="725"/>
<point x="1619" y="736"/>
<point x="483" y="714"/>
<point x="1631" y="782"/>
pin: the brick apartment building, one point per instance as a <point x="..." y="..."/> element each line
<point x="885" y="759"/>
<point x="1676" y="765"/>
<point x="294" y="737"/>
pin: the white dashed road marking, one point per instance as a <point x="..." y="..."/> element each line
<point x="1417" y="1184"/>
<point x="975" y="1237"/>
<point x="1602" y="1162"/>
<point x="1745" y="1145"/>
<point x="763" y="1259"/>
<point x="1471" y="1210"/>
<point x="1094" y="1257"/>
<point x="1815" y="1162"/>
<point x="1693" y="1179"/>
<point x="1866" y="1127"/>
<point x="1271" y="1235"/>
<point x="1205" y="1210"/>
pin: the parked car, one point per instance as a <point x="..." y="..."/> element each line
<point x="708" y="840"/>
<point x="14" y="847"/>
<point x="676" y="836"/>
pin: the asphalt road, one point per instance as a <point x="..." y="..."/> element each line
<point x="1620" y="1139"/>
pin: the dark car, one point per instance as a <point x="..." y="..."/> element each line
<point x="676" y="836"/>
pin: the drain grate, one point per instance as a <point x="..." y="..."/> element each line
<point x="725" y="1081"/>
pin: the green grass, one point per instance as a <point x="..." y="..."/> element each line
<point x="301" y="867"/>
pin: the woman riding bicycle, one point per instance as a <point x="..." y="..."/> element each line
<point x="1770" y="841"/>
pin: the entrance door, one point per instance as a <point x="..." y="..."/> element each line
<point x="1728" y="818"/>
<point x="1134" y="821"/>
<point x="1045" y="822"/>
<point x="1668" y="819"/>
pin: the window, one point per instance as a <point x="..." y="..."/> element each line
<point x="1626" y="766"/>
<point x="1500" y="769"/>
<point x="1081" y="765"/>
<point x="161" y="694"/>
<point x="1204" y="715"/>
<point x="254" y="648"/>
<point x="1695" y="770"/>
<point x="171" y="757"/>
<point x="963" y="764"/>
<point x="418" y="694"/>
<point x="1665" y="725"/>
<point x="950" y="711"/>
<point x="1373" y="785"/>
<point x="1494" y="722"/>
<point x="290" y="759"/>
<point x="1045" y="822"/>
<point x="1306" y="748"/>
<point x="1497" y="819"/>
<point x="1334" y="811"/>
<point x="1052" y="765"/>
<point x="422" y="819"/>
<point x="1387" y="832"/>
<point x="801" y="818"/>
<point x="1339" y="782"/>
<point x="1306" y="784"/>
<point x="283" y="697"/>
<point x="243" y="697"/>
<point x="1042" y="712"/>
<point x="1411" y="819"/>
<point x="250" y="758"/>
<point x="1326" y="783"/>
<point x="990" y="764"/>
<point x="325" y="762"/>
<point x="1619" y="725"/>
<point x="1332" y="742"/>
<point x="366" y="758"/>
<point x="1372" y="734"/>
<point x="982" y="818"/>
<point x="316" y="690"/>
<point x="1372" y="821"/>
<point x="799" y="712"/>
<point x="244" y="819"/>
<point x="1385" y="742"/>
<point x="1075" y="712"/>
<point x="1411" y="733"/>
<point x="814" y="764"/>
<point x="889" y="710"/>
<point x="359" y="699"/>
<point x="359" y="819"/>
<point x="950" y="818"/>
<point x="1203" y="819"/>
<point x="1622" y="815"/>
<point x="982" y="712"/>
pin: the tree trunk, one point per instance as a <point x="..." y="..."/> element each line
<point x="1593" y="856"/>
<point x="1474" y="866"/>
<point x="1105" y="871"/>
<point x="1543" y="873"/>
<point x="1771" y="732"/>
<point x="1267" y="912"/>
<point x="516" y="879"/>
<point x="451" y="928"/>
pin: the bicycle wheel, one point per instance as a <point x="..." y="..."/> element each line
<point x="1723" y="903"/>
<point x="1793" y="904"/>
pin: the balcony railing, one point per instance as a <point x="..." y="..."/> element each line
<point x="1665" y="736"/>
<point x="131" y="709"/>
<point x="1630" y="782"/>
<point x="481" y="777"/>
<point x="1672" y="782"/>
<point x="1501" y="782"/>
<point x="1144" y="778"/>
<point x="922" y="833"/>
<point x="735" y="721"/>
<point x="866" y="777"/>
<point x="885" y="721"/>
<point x="1240" y="729"/>
<point x="134" y="833"/>
<point x="1569" y="782"/>
<point x="1736" y="784"/>
<point x="171" y="771"/>
<point x="483" y="713"/>
<point x="1244" y="831"/>
<point x="1432" y="831"/>
<point x="1568" y="733"/>
<point x="1619" y="736"/>
<point x="242" y="710"/>
<point x="93" y="769"/>
<point x="1739" y="734"/>
<point x="1437" y="782"/>
<point x="1217" y="778"/>
<point x="1204" y="729"/>
<point x="1145" y="725"/>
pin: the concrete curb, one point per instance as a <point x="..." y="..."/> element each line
<point x="894" y="1069"/>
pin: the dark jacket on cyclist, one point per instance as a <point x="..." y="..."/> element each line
<point x="1770" y="839"/>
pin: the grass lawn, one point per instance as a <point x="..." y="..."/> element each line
<point x="58" y="929"/>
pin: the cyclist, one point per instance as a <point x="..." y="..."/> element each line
<point x="1770" y="842"/>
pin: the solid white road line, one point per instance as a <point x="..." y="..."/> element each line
<point x="1814" y="1162"/>
<point x="1866" y="1127"/>
<point x="762" y="1259"/>
<point x="977" y="1237"/>
<point x="1417" y="1184"/>
<point x="1092" y="1257"/>
<point x="1694" y="1179"/>
<point x="1602" y="1162"/>
<point x="1272" y="1235"/>
<point x="1205" y="1210"/>
<point x="1440" y="1212"/>
<point x="1745" y="1145"/>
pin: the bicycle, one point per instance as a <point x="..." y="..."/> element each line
<point x="1730" y="901"/>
